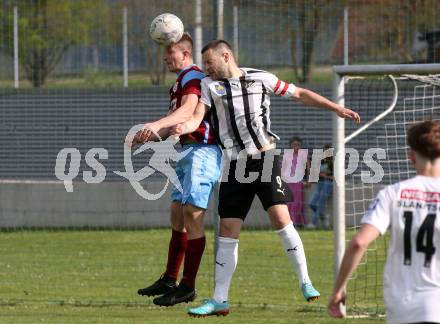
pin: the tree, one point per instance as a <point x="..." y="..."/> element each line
<point x="403" y="19"/>
<point x="308" y="16"/>
<point x="47" y="29"/>
<point x="386" y="31"/>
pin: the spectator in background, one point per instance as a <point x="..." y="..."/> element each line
<point x="322" y="193"/>
<point x="298" y="158"/>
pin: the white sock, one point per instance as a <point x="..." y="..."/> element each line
<point x="295" y="252"/>
<point x="225" y="264"/>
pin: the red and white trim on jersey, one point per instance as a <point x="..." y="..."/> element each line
<point x="281" y="88"/>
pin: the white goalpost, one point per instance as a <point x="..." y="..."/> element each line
<point x="390" y="98"/>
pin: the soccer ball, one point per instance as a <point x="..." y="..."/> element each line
<point x="166" y="29"/>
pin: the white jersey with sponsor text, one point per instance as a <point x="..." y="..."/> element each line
<point x="411" y="209"/>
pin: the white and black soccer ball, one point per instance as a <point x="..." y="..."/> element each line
<point x="166" y="29"/>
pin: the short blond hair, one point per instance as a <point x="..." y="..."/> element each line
<point x="185" y="43"/>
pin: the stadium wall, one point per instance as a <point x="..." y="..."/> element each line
<point x="112" y="205"/>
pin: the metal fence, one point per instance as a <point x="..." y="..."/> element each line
<point x="47" y="43"/>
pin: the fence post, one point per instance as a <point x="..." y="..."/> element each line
<point x="346" y="36"/>
<point x="198" y="33"/>
<point x="235" y="22"/>
<point x="16" y="71"/>
<point x="220" y="6"/>
<point x="125" y="45"/>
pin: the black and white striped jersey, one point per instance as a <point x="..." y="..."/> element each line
<point x="240" y="109"/>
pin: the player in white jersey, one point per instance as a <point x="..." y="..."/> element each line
<point x="411" y="209"/>
<point x="239" y="104"/>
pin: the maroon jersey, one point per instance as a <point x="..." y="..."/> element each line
<point x="188" y="82"/>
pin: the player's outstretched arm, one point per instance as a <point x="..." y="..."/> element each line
<point x="180" y="115"/>
<point x="311" y="98"/>
<point x="192" y="124"/>
<point x="353" y="255"/>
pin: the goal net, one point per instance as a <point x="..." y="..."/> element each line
<point x="393" y="98"/>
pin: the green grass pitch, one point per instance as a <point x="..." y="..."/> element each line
<point x="92" y="277"/>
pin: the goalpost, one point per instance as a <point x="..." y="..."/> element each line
<point x="393" y="98"/>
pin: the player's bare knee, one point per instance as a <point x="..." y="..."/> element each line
<point x="279" y="224"/>
<point x="193" y="223"/>
<point x="176" y="220"/>
<point x="178" y="226"/>
<point x="193" y="218"/>
<point x="230" y="227"/>
<point x="279" y="216"/>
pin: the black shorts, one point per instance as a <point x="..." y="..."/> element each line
<point x="235" y="198"/>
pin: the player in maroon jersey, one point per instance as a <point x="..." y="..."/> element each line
<point x="198" y="172"/>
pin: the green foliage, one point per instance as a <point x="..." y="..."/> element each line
<point x="47" y="28"/>
<point x="391" y="26"/>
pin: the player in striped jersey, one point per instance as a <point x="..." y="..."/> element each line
<point x="239" y="103"/>
<point x="198" y="172"/>
<point x="411" y="209"/>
